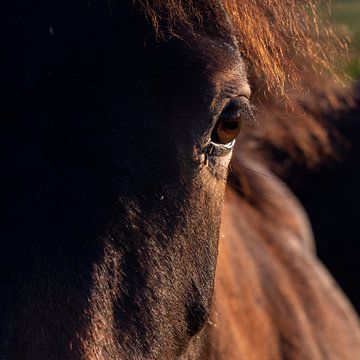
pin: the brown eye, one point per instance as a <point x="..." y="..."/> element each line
<point x="226" y="130"/>
<point x="229" y="123"/>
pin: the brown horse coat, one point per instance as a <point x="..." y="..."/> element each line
<point x="273" y="297"/>
<point x="110" y="213"/>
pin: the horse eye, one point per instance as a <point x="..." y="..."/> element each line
<point x="226" y="130"/>
<point x="228" y="125"/>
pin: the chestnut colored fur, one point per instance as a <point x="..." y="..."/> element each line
<point x="110" y="215"/>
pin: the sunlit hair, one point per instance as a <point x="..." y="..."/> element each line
<point x="291" y="54"/>
<point x="279" y="39"/>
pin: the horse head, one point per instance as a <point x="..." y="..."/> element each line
<point x="116" y="167"/>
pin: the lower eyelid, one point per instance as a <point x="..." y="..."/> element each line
<point x="214" y="149"/>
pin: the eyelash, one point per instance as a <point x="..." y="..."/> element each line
<point x="245" y="109"/>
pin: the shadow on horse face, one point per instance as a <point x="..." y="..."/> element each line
<point x="111" y="218"/>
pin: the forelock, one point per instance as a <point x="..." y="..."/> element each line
<point x="278" y="39"/>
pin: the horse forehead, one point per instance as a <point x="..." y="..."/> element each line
<point x="226" y="64"/>
<point x="33" y="18"/>
<point x="35" y="34"/>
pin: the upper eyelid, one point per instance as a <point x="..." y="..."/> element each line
<point x="242" y="108"/>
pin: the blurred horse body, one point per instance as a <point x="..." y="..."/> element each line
<point x="114" y="186"/>
<point x="276" y="297"/>
<point x="332" y="192"/>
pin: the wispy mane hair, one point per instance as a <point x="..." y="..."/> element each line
<point x="279" y="39"/>
<point x="291" y="54"/>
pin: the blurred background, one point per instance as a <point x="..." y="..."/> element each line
<point x="345" y="15"/>
<point x="331" y="194"/>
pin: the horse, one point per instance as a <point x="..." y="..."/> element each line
<point x="118" y="122"/>
<point x="331" y="191"/>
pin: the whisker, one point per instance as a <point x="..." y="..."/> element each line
<point x="237" y="185"/>
<point x="256" y="172"/>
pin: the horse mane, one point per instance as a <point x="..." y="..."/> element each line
<point x="279" y="39"/>
<point x="291" y="55"/>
